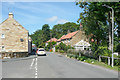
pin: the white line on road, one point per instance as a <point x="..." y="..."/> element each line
<point x="32" y="63"/>
<point x="36" y="68"/>
<point x="35" y="76"/>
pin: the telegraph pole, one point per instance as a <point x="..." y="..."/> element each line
<point x="112" y="33"/>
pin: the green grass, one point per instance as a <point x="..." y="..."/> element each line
<point x="96" y="62"/>
<point x="106" y="66"/>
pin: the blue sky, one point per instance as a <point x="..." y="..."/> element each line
<point x="33" y="15"/>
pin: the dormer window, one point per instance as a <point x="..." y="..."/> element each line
<point x="2" y="35"/>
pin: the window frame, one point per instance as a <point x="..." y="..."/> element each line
<point x="2" y="36"/>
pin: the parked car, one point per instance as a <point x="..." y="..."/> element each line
<point x="41" y="51"/>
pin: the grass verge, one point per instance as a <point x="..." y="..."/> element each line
<point x="94" y="62"/>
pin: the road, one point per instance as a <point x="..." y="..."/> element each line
<point x="53" y="66"/>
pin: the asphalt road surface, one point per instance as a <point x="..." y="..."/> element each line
<point x="53" y="66"/>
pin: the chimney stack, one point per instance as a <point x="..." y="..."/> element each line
<point x="10" y="15"/>
<point x="68" y="31"/>
<point x="81" y="27"/>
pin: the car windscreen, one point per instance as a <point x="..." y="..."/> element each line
<point x="41" y="50"/>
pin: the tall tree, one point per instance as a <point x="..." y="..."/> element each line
<point x="46" y="32"/>
<point x="97" y="19"/>
<point x="62" y="29"/>
<point x="37" y="38"/>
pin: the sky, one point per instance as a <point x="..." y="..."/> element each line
<point x="33" y="15"/>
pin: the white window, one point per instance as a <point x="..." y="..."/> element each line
<point x="3" y="48"/>
<point x="69" y="40"/>
<point x="2" y="35"/>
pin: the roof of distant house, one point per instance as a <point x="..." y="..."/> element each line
<point x="52" y="39"/>
<point x="61" y="38"/>
<point x="69" y="35"/>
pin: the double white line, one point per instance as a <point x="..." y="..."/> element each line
<point x="34" y="62"/>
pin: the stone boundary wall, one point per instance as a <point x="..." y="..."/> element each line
<point x="14" y="54"/>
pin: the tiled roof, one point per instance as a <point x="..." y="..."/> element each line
<point x="61" y="38"/>
<point x="52" y="39"/>
<point x="69" y="35"/>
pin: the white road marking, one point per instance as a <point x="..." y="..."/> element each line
<point x="32" y="63"/>
<point x="36" y="68"/>
<point x="35" y="76"/>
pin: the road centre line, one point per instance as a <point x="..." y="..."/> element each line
<point x="36" y="68"/>
<point x="34" y="62"/>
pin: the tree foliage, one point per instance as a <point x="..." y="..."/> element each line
<point x="46" y="32"/>
<point x="62" y="47"/>
<point x="62" y="29"/>
<point x="40" y="37"/>
<point x="95" y="20"/>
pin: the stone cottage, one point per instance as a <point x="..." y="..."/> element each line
<point x="14" y="38"/>
<point x="76" y="39"/>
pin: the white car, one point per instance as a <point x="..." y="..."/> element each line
<point x="41" y="52"/>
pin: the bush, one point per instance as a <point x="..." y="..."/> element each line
<point x="116" y="62"/>
<point x="61" y="51"/>
<point x="82" y="58"/>
<point x="118" y="48"/>
<point x="70" y="55"/>
<point x="56" y="48"/>
<point x="100" y="50"/>
<point x="88" y="60"/>
<point x="75" y="56"/>
<point x="105" y="60"/>
<point x="51" y="50"/>
<point x="47" y="48"/>
<point x="63" y="47"/>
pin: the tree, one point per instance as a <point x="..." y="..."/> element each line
<point x="37" y="38"/>
<point x="96" y="20"/>
<point x="46" y="32"/>
<point x="62" y="29"/>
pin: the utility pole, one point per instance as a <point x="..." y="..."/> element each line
<point x="112" y="32"/>
<point x="50" y="41"/>
<point x="112" y="36"/>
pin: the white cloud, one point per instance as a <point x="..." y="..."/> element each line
<point x="11" y="3"/>
<point x="62" y="21"/>
<point x="56" y="20"/>
<point x="52" y="19"/>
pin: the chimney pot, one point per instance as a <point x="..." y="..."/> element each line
<point x="10" y="15"/>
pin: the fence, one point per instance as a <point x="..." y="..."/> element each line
<point x="108" y="58"/>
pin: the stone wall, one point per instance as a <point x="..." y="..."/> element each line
<point x="14" y="55"/>
<point x="16" y="36"/>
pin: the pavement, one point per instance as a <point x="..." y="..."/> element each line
<point x="52" y="66"/>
